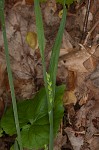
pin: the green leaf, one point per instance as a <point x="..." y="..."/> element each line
<point x="15" y="146"/>
<point x="56" y="50"/>
<point x="36" y="136"/>
<point x="40" y="29"/>
<point x="34" y="120"/>
<point x="1" y="132"/>
<point x="7" y="121"/>
<point x="12" y="147"/>
<point x="9" y="71"/>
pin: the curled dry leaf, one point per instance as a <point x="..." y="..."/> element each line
<point x="69" y="98"/>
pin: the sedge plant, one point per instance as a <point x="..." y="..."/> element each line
<point x="50" y="88"/>
<point x="50" y="76"/>
<point x="2" y="19"/>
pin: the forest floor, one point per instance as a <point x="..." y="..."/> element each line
<point x="78" y="67"/>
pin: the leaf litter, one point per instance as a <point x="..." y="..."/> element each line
<point x="78" y="68"/>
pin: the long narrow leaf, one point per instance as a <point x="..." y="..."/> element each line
<point x="56" y="50"/>
<point x="50" y="78"/>
<point x="41" y="41"/>
<point x="53" y="68"/>
<point x="40" y="29"/>
<point x="10" y="73"/>
<point x="41" y="37"/>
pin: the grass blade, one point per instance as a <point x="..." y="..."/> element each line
<point x="41" y="41"/>
<point x="53" y="67"/>
<point x="40" y="36"/>
<point x="56" y="50"/>
<point x="10" y="73"/>
<point x="40" y="29"/>
<point x="49" y="78"/>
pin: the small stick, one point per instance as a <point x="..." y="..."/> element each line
<point x="86" y="20"/>
<point x="96" y="134"/>
<point x="89" y="33"/>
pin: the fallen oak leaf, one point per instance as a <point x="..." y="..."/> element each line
<point x="75" y="58"/>
<point x="76" y="142"/>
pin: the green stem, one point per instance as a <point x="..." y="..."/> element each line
<point x="51" y="137"/>
<point x="49" y="78"/>
<point x="41" y="41"/>
<point x="10" y="73"/>
<point x="50" y="107"/>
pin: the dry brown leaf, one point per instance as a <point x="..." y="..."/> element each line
<point x="2" y="76"/>
<point x="69" y="98"/>
<point x="81" y="16"/>
<point x="82" y="114"/>
<point x="24" y="88"/>
<point x="76" y="142"/>
<point x="96" y="54"/>
<point x="92" y="121"/>
<point x="92" y="126"/>
<point x="94" y="144"/>
<point x="29" y="2"/>
<point x="95" y="77"/>
<point x="83" y="100"/>
<point x="68" y="43"/>
<point x="71" y="80"/>
<point x="59" y="141"/>
<point x="18" y="23"/>
<point x="90" y="64"/>
<point x="2" y="106"/>
<point x="62" y="74"/>
<point x="75" y="59"/>
<point x="49" y="13"/>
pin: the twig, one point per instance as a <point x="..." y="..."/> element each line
<point x="89" y="33"/>
<point x="96" y="134"/>
<point x="80" y="132"/>
<point x="91" y="53"/>
<point x="86" y="20"/>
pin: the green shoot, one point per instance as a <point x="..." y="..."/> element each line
<point x="9" y="72"/>
<point x="49" y="78"/>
